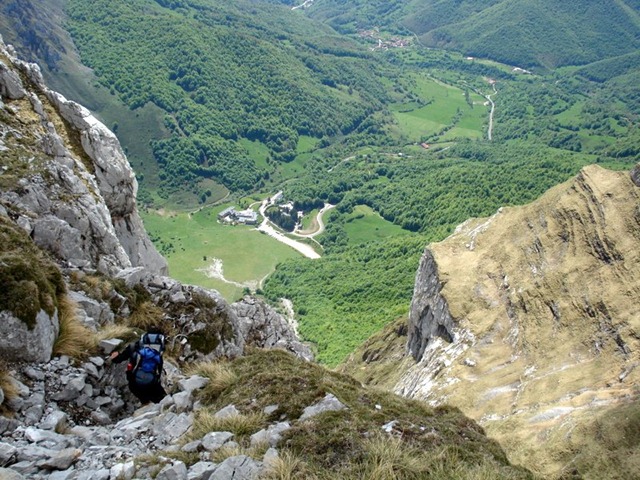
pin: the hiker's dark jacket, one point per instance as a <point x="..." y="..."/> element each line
<point x="145" y="393"/>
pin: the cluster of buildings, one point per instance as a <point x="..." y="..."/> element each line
<point x="231" y="215"/>
<point x="394" y="42"/>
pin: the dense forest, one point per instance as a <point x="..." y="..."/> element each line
<point x="223" y="71"/>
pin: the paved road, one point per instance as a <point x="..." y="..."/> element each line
<point x="266" y="227"/>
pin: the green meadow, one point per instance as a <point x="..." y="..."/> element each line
<point x="201" y="251"/>
<point x="446" y="113"/>
<point x="365" y="225"/>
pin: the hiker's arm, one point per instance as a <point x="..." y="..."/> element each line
<point x="122" y="356"/>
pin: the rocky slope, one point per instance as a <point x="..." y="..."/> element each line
<point x="529" y="321"/>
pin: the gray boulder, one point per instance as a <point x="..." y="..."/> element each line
<point x="201" y="470"/>
<point x="10" y="84"/>
<point x="21" y="343"/>
<point x="169" y="427"/>
<point x="327" y="404"/>
<point x="194" y="382"/>
<point x="226" y="412"/>
<point x="183" y="401"/>
<point x="176" y="471"/>
<point x="271" y="457"/>
<point x="271" y="435"/>
<point x="61" y="460"/>
<point x="9" y="474"/>
<point x="239" y="467"/>
<point x="7" y="454"/>
<point x="214" y="440"/>
<point x="122" y="471"/>
<point x="56" y="421"/>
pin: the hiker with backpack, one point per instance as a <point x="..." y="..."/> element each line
<point x="145" y="366"/>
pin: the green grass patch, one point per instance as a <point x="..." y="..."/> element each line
<point x="200" y="250"/>
<point x="572" y="116"/>
<point x="309" y="220"/>
<point x="306" y="143"/>
<point x="447" y="106"/>
<point x="294" y="168"/>
<point x="365" y="225"/>
<point x="187" y="201"/>
<point x="426" y="442"/>
<point x="257" y="151"/>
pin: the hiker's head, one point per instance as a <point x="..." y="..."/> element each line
<point x="155" y="329"/>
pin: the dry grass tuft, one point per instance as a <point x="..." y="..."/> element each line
<point x="96" y="286"/>
<point x="240" y="425"/>
<point x="75" y="339"/>
<point x="8" y="387"/>
<point x="147" y="315"/>
<point x="220" y="378"/>
<point x="289" y="467"/>
<point x="123" y="332"/>
<point x="388" y="458"/>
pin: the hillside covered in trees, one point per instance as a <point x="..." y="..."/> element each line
<point x="526" y="33"/>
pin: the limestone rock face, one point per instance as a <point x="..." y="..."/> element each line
<point x="528" y="320"/>
<point x="429" y="315"/>
<point x="21" y="343"/>
<point x="263" y="327"/>
<point x="66" y="180"/>
<point x="635" y="175"/>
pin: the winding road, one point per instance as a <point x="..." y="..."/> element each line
<point x="319" y="221"/>
<point x="266" y="227"/>
<point x="493" y="108"/>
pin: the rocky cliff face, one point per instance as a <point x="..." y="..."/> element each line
<point x="65" y="178"/>
<point x="528" y="320"/>
<point x="75" y="260"/>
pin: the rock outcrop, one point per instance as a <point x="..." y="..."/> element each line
<point x="104" y="433"/>
<point x="263" y="327"/>
<point x="528" y="320"/>
<point x="429" y="316"/>
<point x="65" y="179"/>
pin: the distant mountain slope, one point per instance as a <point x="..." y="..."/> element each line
<point x="526" y="33"/>
<point x="225" y="71"/>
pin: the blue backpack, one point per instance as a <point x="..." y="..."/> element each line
<point x="148" y="365"/>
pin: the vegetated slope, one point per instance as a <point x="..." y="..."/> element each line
<point x="26" y="25"/>
<point x="543" y="335"/>
<point x="377" y="435"/>
<point x="527" y="33"/>
<point x="223" y="71"/>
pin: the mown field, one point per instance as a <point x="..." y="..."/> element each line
<point x="365" y="225"/>
<point x="443" y="109"/>
<point x="193" y="242"/>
